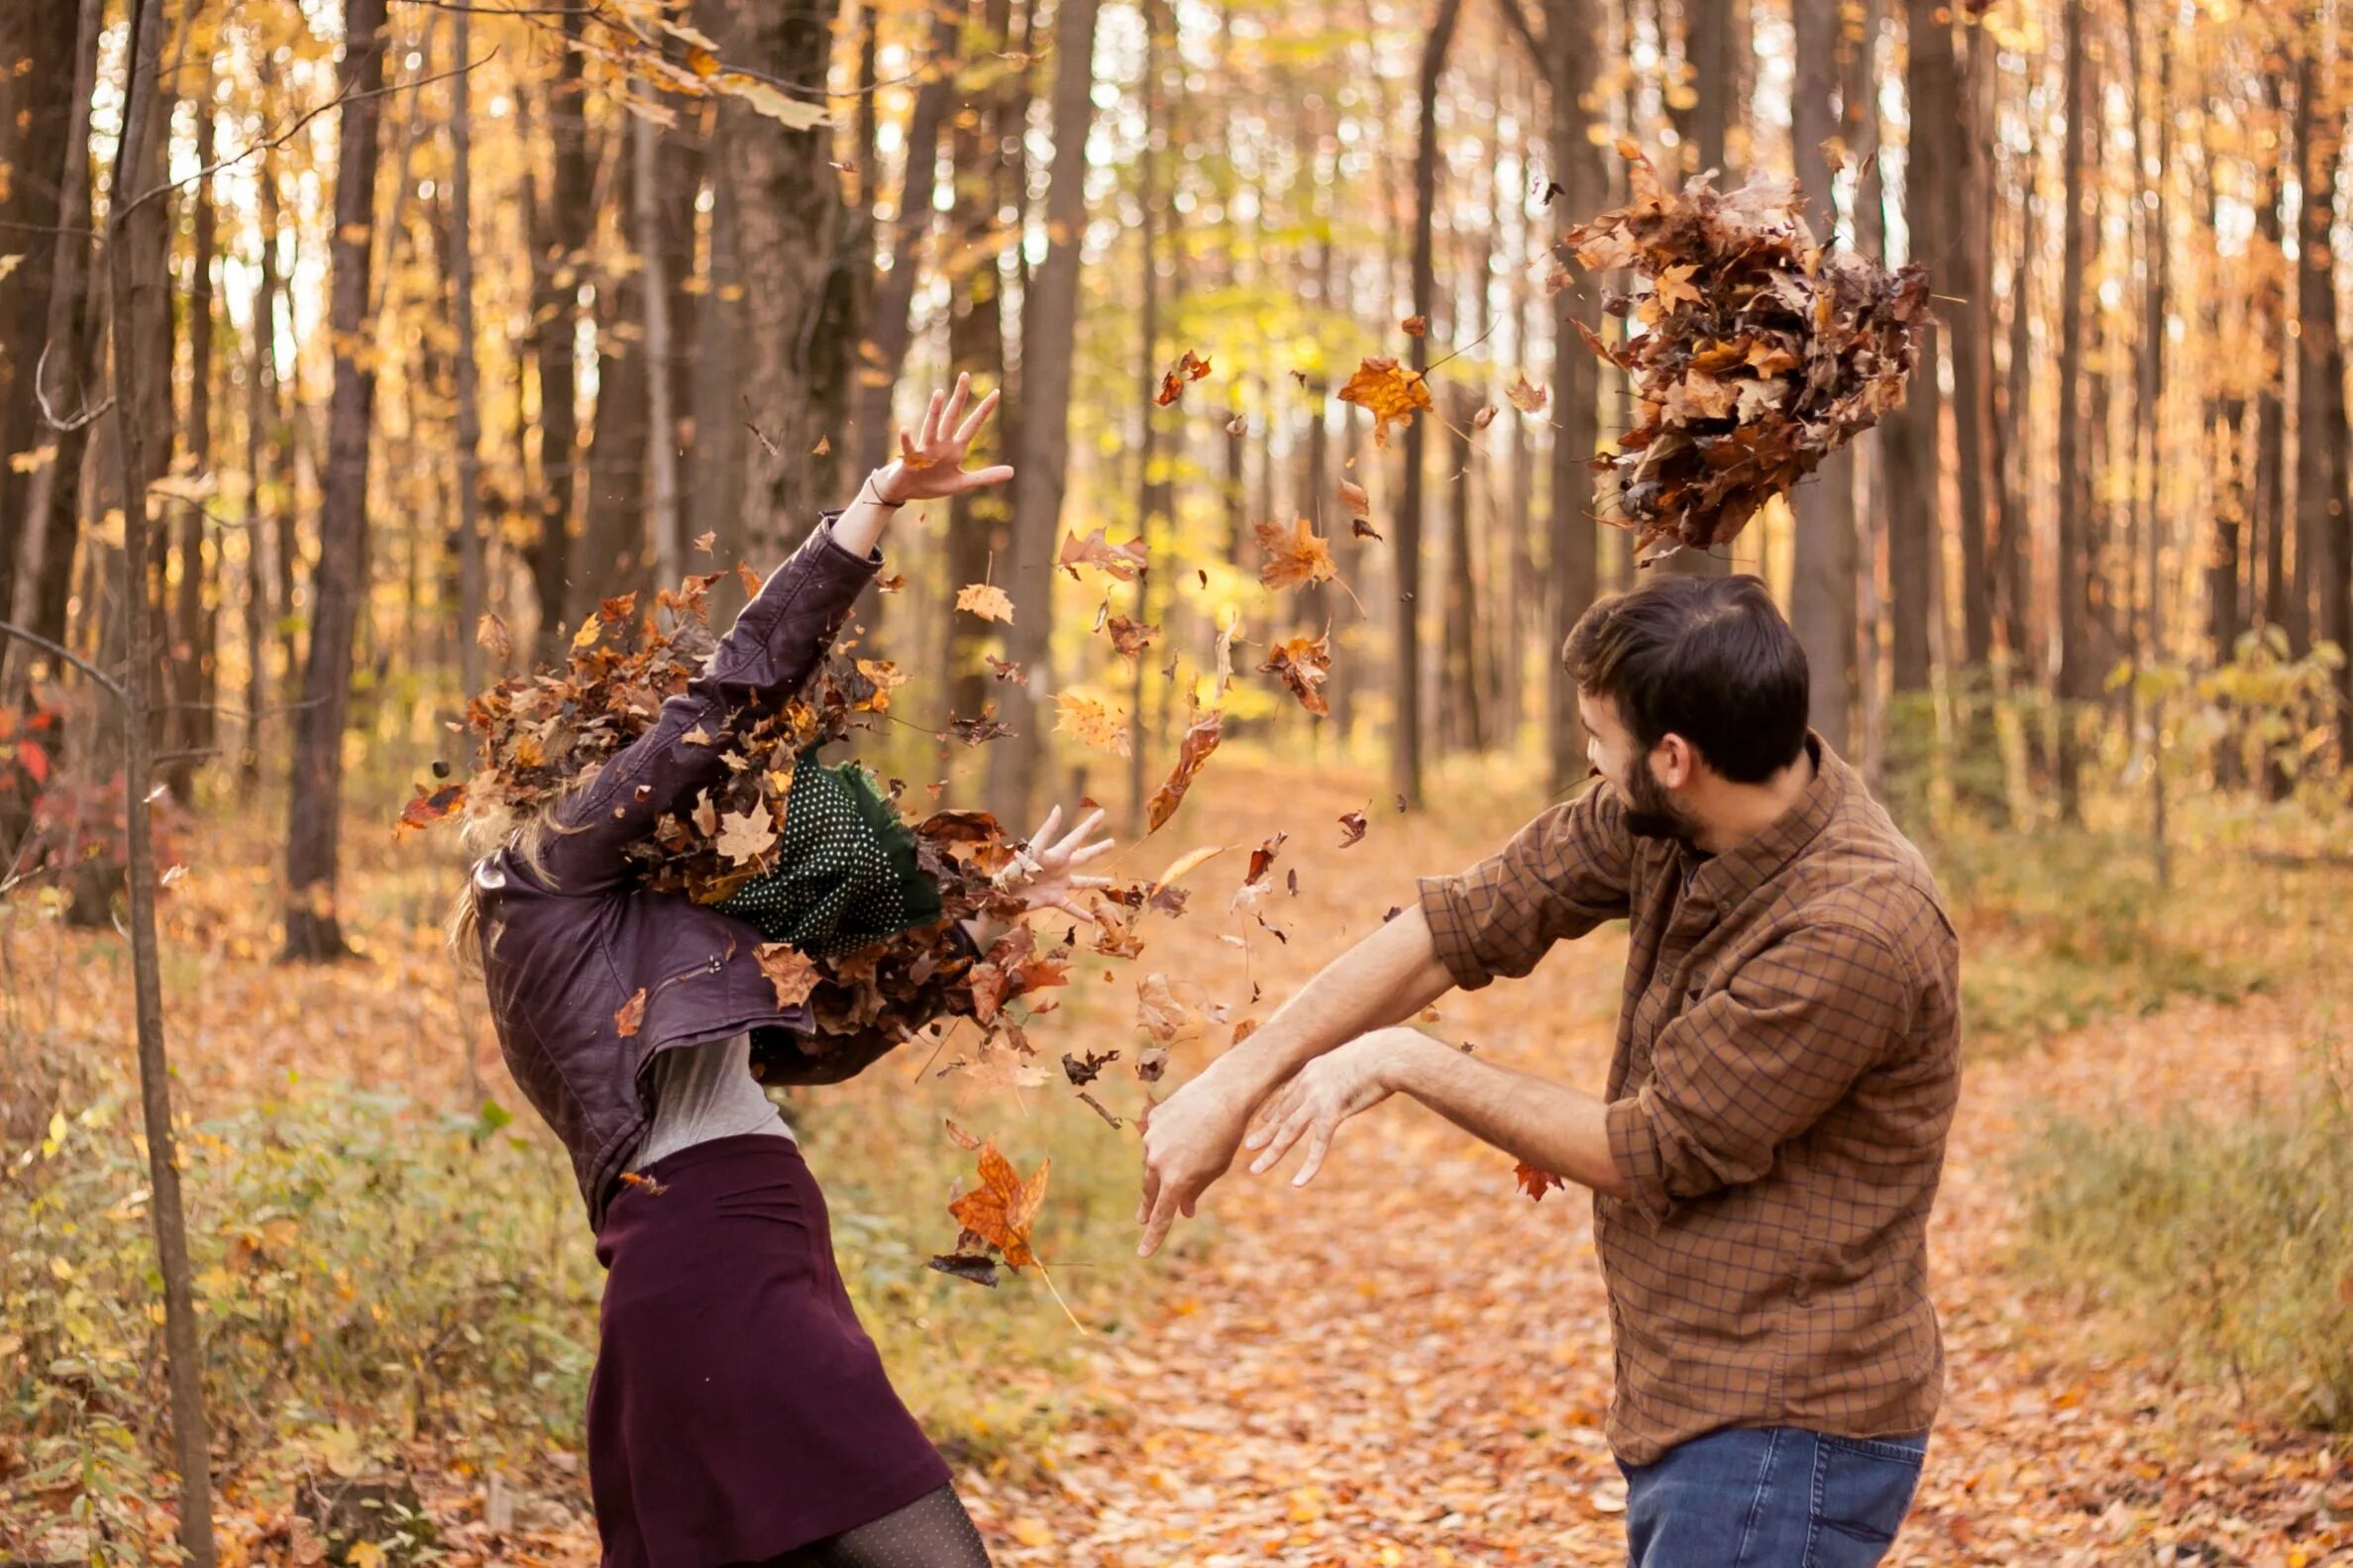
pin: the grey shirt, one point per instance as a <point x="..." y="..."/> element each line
<point x="707" y="1091"/>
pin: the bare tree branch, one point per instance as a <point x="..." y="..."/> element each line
<point x="112" y="686"/>
<point x="61" y="426"/>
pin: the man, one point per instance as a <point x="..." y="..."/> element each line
<point x="1785" y="1070"/>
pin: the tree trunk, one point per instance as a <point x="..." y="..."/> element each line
<point x="1460" y="690"/>
<point x="1822" y="558"/>
<point x="2012" y="451"/>
<point x="471" y="570"/>
<point x="260" y="421"/>
<point x="38" y="113"/>
<point x="716" y="505"/>
<point x="2076" y="675"/>
<point x="2324" y="528"/>
<point x="612" y="554"/>
<point x="1405" y="539"/>
<point x="1049" y="339"/>
<point x="1157" y="23"/>
<point x="560" y="240"/>
<point x="790" y="233"/>
<point x="339" y="586"/>
<point x="1573" y="41"/>
<point x="1914" y="442"/>
<point x="1711" y="43"/>
<point x="2271" y="407"/>
<point x="668" y="549"/>
<point x="188" y="728"/>
<point x="1965" y="191"/>
<point x="137" y="252"/>
<point x="52" y="516"/>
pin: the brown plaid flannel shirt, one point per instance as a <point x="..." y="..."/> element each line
<point x="1787" y="1067"/>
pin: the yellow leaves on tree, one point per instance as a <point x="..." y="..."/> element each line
<point x="1391" y="393"/>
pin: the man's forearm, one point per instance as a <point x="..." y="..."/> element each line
<point x="1386" y="978"/>
<point x="1548" y="1125"/>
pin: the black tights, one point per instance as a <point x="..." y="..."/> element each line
<point x="932" y="1531"/>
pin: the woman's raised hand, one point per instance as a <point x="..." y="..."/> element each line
<point x="1056" y="880"/>
<point x="931" y="465"/>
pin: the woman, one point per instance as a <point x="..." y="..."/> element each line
<point x="738" y="1413"/>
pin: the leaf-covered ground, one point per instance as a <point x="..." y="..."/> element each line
<point x="1404" y="1363"/>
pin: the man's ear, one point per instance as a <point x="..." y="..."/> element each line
<point x="1674" y="760"/>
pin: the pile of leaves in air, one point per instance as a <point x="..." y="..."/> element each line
<point x="1759" y="352"/>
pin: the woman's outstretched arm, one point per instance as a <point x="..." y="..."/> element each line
<point x="768" y="655"/>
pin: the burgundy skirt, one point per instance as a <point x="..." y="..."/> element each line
<point x="737" y="1409"/>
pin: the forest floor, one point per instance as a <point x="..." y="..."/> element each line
<point x="1406" y="1362"/>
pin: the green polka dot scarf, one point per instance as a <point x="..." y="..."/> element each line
<point x="846" y="876"/>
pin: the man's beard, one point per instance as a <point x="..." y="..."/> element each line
<point x="1651" y="812"/>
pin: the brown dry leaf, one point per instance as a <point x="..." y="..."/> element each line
<point x="1192" y="367"/>
<point x="1001" y="668"/>
<point x="1238" y="425"/>
<point x="1123" y="562"/>
<point x="750" y="579"/>
<point x="1201" y="739"/>
<point x="1097" y="724"/>
<point x="1295" y="557"/>
<point x="1303" y="662"/>
<point x="631" y="1015"/>
<point x="706" y="543"/>
<point x="986" y="600"/>
<point x="1004" y="1207"/>
<point x="427" y="808"/>
<point x="1352" y="827"/>
<point x="791" y="972"/>
<point x="1415" y="325"/>
<point x="1526" y="396"/>
<point x="1161" y="1017"/>
<point x="1484" y="417"/>
<point x="490" y="633"/>
<point x="1129" y="638"/>
<point x="1391" y="395"/>
<point x="822" y="448"/>
<point x="1352" y="495"/>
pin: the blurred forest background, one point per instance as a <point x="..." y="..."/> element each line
<point x="354" y="351"/>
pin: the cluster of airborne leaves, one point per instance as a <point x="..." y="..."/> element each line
<point x="1761" y="352"/>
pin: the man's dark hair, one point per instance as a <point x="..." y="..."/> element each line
<point x="1709" y="659"/>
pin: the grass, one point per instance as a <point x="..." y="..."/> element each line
<point x="2228" y="1245"/>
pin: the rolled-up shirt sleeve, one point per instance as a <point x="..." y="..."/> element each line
<point x="1563" y="873"/>
<point x="1755" y="1064"/>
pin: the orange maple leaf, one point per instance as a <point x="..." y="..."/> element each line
<point x="1303" y="662"/>
<point x="1535" y="1182"/>
<point x="1389" y="392"/>
<point x="1004" y="1207"/>
<point x="1201" y="738"/>
<point x="1295" y="557"/>
<point x="631" y="1015"/>
<point x="986" y="600"/>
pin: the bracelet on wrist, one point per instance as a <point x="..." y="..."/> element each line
<point x="877" y="498"/>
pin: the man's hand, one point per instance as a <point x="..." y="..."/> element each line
<point x="1190" y="1139"/>
<point x="1327" y="1091"/>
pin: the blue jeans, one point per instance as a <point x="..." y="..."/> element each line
<point x="1774" y="1496"/>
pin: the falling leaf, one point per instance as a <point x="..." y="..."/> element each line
<point x="1352" y="495"/>
<point x="1363" y="530"/>
<point x="1484" y="418"/>
<point x="823" y="447"/>
<point x="1081" y="1073"/>
<point x="1535" y="1182"/>
<point x="1303" y="662"/>
<point x="425" y="809"/>
<point x="976" y="1266"/>
<point x="630" y="1017"/>
<point x="1192" y="367"/>
<point x="1161" y="1015"/>
<point x="1415" y="325"/>
<point x="1130" y="638"/>
<point x="788" y="970"/>
<point x="979" y="732"/>
<point x="1295" y="557"/>
<point x="1201" y="739"/>
<point x="958" y="1136"/>
<point x="1524" y="396"/>
<point x="749" y="578"/>
<point x="1123" y="562"/>
<point x="1391" y="395"/>
<point x="1186" y="863"/>
<point x="1096" y="725"/>
<point x="587" y="634"/>
<point x="490" y="633"/>
<point x="986" y="600"/>
<point x="1003" y="668"/>
<point x="744" y="836"/>
<point x="1238" y="425"/>
<point x="1004" y="1207"/>
<point x="1152" y="1064"/>
<point x="1352" y="826"/>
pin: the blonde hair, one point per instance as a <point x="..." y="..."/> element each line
<point x="483" y="830"/>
